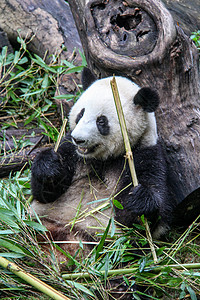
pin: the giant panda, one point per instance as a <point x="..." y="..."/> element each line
<point x="74" y="187"/>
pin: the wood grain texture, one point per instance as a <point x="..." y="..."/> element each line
<point x="50" y="22"/>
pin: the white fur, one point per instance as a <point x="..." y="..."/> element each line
<point x="98" y="100"/>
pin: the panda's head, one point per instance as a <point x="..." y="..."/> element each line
<point x="94" y="122"/>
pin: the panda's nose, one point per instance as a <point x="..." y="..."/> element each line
<point x="78" y="141"/>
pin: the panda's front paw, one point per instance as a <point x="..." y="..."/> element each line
<point x="137" y="200"/>
<point x="46" y="165"/>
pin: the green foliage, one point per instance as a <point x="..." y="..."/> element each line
<point x="16" y="224"/>
<point x="28" y="86"/>
<point x="114" y="250"/>
<point x="196" y="38"/>
<point x="129" y="250"/>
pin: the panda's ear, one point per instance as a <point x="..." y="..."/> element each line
<point x="87" y="78"/>
<point x="147" y="98"/>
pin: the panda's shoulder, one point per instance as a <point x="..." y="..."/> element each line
<point x="153" y="149"/>
<point x="154" y="156"/>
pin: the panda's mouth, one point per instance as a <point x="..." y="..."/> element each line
<point x="86" y="150"/>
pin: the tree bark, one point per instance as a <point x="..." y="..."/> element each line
<point x="14" y="159"/>
<point x="186" y="13"/>
<point x="50" y="23"/>
<point x="139" y="39"/>
<point x="18" y="160"/>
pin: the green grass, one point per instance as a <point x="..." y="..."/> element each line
<point x="114" y="256"/>
<point x="196" y="38"/>
<point x="28" y="85"/>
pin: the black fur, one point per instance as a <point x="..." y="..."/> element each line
<point x="52" y="172"/>
<point x="79" y="116"/>
<point x="87" y="78"/>
<point x="147" y="98"/>
<point x="150" y="197"/>
<point x="102" y="125"/>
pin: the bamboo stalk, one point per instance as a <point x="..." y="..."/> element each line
<point x="131" y="271"/>
<point x="60" y="135"/>
<point x="122" y="122"/>
<point x="129" y="155"/>
<point x="37" y="283"/>
<point x="150" y="240"/>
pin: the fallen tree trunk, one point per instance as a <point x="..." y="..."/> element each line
<point x="49" y="25"/>
<point x="18" y="160"/>
<point x="18" y="148"/>
<point x="139" y="39"/>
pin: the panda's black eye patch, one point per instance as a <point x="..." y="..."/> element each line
<point x="102" y="125"/>
<point x="79" y="116"/>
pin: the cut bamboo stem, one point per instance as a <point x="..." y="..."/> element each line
<point x="60" y="135"/>
<point x="35" y="282"/>
<point x="150" y="240"/>
<point x="122" y="122"/>
<point x="129" y="156"/>
<point x="127" y="271"/>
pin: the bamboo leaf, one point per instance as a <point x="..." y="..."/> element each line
<point x="142" y="265"/>
<point x="23" y="60"/>
<point x="45" y="82"/>
<point x="68" y="64"/>
<point x="67" y="255"/>
<point x="38" y="60"/>
<point x="33" y="116"/>
<point x="16" y="58"/>
<point x="117" y="204"/>
<point x="192" y="293"/>
<point x="64" y="96"/>
<point x="10" y="246"/>
<point x="102" y="241"/>
<point x="136" y="297"/>
<point x="11" y="255"/>
<point x="22" y="42"/>
<point x="126" y="280"/>
<point x="73" y="70"/>
<point x="8" y="220"/>
<point x="8" y="231"/>
<point x="39" y="91"/>
<point x="80" y="287"/>
<point x="84" y="62"/>
<point x="35" y="225"/>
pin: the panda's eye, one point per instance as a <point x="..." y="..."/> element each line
<point x="102" y="125"/>
<point x="79" y="116"/>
